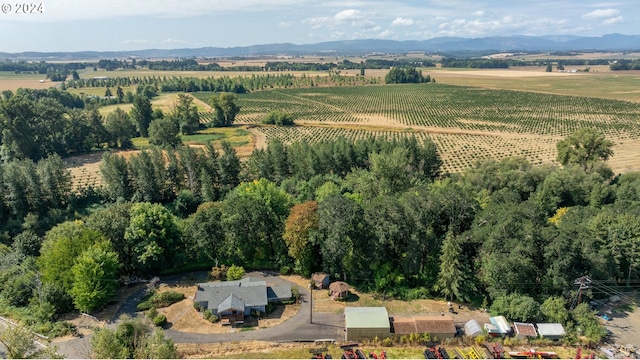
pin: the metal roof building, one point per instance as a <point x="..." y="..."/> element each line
<point x="552" y="331"/>
<point x="501" y="323"/>
<point x="366" y="323"/>
<point x="472" y="328"/>
<point x="439" y="327"/>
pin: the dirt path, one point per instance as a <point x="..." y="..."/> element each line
<point x="202" y="103"/>
<point x="259" y="138"/>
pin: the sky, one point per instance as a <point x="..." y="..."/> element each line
<point x="116" y="25"/>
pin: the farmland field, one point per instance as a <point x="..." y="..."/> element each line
<point x="466" y="123"/>
<point x="12" y="81"/>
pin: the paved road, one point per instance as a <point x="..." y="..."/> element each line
<point x="297" y="328"/>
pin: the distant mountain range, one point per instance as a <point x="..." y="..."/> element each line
<point x="452" y="46"/>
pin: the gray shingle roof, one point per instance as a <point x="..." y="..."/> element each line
<point x="232" y="302"/>
<point x="278" y="292"/>
<point x="251" y="293"/>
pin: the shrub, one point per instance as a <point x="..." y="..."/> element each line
<point x="198" y="307"/>
<point x="235" y="273"/>
<point x="166" y="298"/>
<point x="160" y="320"/>
<point x="210" y="316"/>
<point x="152" y="313"/>
<point x="219" y="273"/>
<point x="144" y="306"/>
<point x="285" y="270"/>
<point x="279" y="118"/>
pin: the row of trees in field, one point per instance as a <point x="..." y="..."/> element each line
<point x="376" y="213"/>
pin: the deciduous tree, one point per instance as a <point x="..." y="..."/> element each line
<point x="225" y="108"/>
<point x="584" y="147"/>
<point x="95" y="277"/>
<point x="142" y="114"/>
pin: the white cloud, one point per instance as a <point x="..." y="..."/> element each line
<point x="615" y="20"/>
<point x="601" y="14"/>
<point x="400" y="21"/>
<point x="478" y="13"/>
<point x="348" y="15"/>
<point x="285" y="24"/>
<point x="386" y="34"/>
<point x="174" y="41"/>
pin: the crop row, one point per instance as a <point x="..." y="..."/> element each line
<point x="458" y="151"/>
<point x="438" y="105"/>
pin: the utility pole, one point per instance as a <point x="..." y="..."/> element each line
<point x="310" y="303"/>
<point x="584" y="283"/>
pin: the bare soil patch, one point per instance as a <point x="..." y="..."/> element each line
<point x="259" y="138"/>
<point x="85" y="169"/>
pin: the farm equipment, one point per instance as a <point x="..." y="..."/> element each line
<point x="320" y="353"/>
<point x="496" y="350"/>
<point x="579" y="355"/>
<point x="435" y="353"/>
<point x="533" y="354"/>
<point x="473" y="353"/>
<point x="382" y="355"/>
<point x="350" y="351"/>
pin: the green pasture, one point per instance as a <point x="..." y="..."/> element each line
<point x="10" y="75"/>
<point x="234" y="135"/>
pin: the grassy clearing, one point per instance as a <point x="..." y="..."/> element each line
<point x="236" y="136"/>
<point x="10" y="75"/>
<point x="163" y="102"/>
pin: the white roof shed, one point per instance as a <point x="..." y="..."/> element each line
<point x="551" y="330"/>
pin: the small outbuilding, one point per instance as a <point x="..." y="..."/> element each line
<point x="472" y="328"/>
<point x="501" y="323"/>
<point x="492" y="330"/>
<point x="320" y="280"/>
<point x="438" y="327"/>
<point x="403" y="325"/>
<point x="524" y="330"/>
<point x="338" y="290"/>
<point x="553" y="331"/>
<point x="365" y="323"/>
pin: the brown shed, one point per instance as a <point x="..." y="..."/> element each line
<point x="320" y="280"/>
<point x="524" y="330"/>
<point x="403" y="326"/>
<point x="339" y="289"/>
<point x="440" y="327"/>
